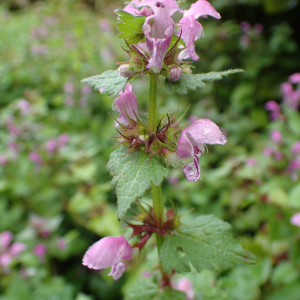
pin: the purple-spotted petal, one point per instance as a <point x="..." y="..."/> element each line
<point x="192" y="170"/>
<point x="117" y="270"/>
<point x="107" y="252"/>
<point x="158" y="30"/>
<point x="169" y="5"/>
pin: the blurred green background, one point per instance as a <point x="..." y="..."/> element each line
<point x="55" y="192"/>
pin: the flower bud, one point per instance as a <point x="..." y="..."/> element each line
<point x="125" y="71"/>
<point x="174" y="73"/>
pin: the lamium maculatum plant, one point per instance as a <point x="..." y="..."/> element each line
<point x="158" y="47"/>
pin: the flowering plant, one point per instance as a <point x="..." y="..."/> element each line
<point x="151" y="145"/>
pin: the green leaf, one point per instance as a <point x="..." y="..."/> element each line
<point x="112" y="81"/>
<point x="133" y="176"/>
<point x="131" y="28"/>
<point x="146" y="289"/>
<point x="206" y="243"/>
<point x="192" y="81"/>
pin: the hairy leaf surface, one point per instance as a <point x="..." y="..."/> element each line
<point x="131" y="28"/>
<point x="193" y="81"/>
<point x="206" y="243"/>
<point x="111" y="81"/>
<point x="133" y="177"/>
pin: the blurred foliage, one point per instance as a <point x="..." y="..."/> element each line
<point x="61" y="197"/>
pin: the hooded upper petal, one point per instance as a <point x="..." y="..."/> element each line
<point x="126" y="104"/>
<point x="158" y="30"/>
<point x="107" y="252"/>
<point x="191" y="30"/>
<point x="169" y="5"/>
<point x="131" y="7"/>
<point x="202" y="8"/>
<point x="202" y="131"/>
<point x="192" y="141"/>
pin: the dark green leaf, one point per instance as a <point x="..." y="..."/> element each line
<point x="112" y="81"/>
<point x="206" y="243"/>
<point x="131" y="28"/>
<point x="133" y="176"/>
<point x="192" y="81"/>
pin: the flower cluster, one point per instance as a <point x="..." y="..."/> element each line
<point x="159" y="28"/>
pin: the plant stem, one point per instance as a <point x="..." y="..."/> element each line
<point x="152" y="116"/>
<point x="158" y="204"/>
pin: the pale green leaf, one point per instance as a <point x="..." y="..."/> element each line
<point x="133" y="177"/>
<point x="193" y="81"/>
<point x="131" y="28"/>
<point x="146" y="289"/>
<point x="111" y="81"/>
<point x="206" y="243"/>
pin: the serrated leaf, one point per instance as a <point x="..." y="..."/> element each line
<point x="146" y="289"/>
<point x="111" y="81"/>
<point x="204" y="244"/>
<point x="193" y="81"/>
<point x="131" y="28"/>
<point x="133" y="177"/>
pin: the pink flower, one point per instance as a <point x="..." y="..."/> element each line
<point x="278" y="155"/>
<point x="109" y="252"/>
<point x="40" y="250"/>
<point x="186" y="286"/>
<point x="131" y="7"/>
<point x="5" y="239"/>
<point x="245" y="26"/>
<point x="24" y="107"/>
<point x="158" y="30"/>
<point x="169" y="5"/>
<point x="295" y="219"/>
<point x="126" y="103"/>
<point x="9" y="252"/>
<point x="251" y="161"/>
<point x="39" y="49"/>
<point x="63" y="139"/>
<point x="51" y="146"/>
<point x="274" y="108"/>
<point x="69" y="88"/>
<point x="35" y="157"/>
<point x="258" y="27"/>
<point x="268" y="151"/>
<point x="3" y="160"/>
<point x="61" y="243"/>
<point x="294" y="166"/>
<point x="276" y="136"/>
<point x="86" y="89"/>
<point x="191" y="30"/>
<point x="295" y="78"/>
<point x="13" y="129"/>
<point x="296" y="148"/>
<point x="192" y="141"/>
<point x="290" y="96"/>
